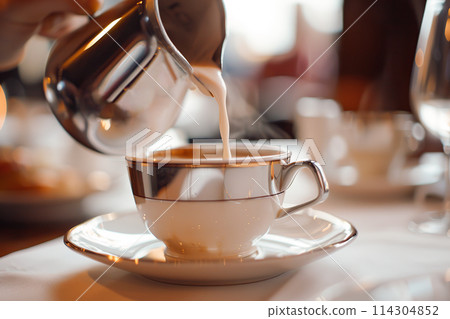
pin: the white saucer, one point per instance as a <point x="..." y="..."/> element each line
<point x="122" y="240"/>
<point x="403" y="183"/>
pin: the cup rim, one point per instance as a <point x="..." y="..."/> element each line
<point x="271" y="154"/>
<point x="218" y="200"/>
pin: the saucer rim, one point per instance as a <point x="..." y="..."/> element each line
<point x="352" y="233"/>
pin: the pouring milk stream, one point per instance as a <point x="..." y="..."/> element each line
<point x="211" y="77"/>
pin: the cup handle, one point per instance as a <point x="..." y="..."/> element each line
<point x="288" y="173"/>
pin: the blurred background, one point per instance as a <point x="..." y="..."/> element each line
<point x="283" y="61"/>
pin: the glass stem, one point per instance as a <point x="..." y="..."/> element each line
<point x="447" y="178"/>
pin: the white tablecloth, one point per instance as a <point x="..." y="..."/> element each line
<point x="384" y="251"/>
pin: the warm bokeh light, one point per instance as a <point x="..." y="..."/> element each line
<point x="447" y="275"/>
<point x="3" y="107"/>
<point x="419" y="58"/>
<point x="115" y="259"/>
<point x="105" y="124"/>
<point x="447" y="27"/>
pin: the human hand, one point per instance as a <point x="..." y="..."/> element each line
<point x="20" y="19"/>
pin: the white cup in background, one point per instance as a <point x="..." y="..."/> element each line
<point x="377" y="144"/>
<point x="319" y="119"/>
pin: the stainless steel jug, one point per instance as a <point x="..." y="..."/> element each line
<point x="130" y="68"/>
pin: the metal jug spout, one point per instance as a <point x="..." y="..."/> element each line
<point x="193" y="31"/>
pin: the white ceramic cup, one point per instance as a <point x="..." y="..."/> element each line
<point x="378" y="144"/>
<point x="203" y="207"/>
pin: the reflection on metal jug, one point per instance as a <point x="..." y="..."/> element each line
<point x="130" y="68"/>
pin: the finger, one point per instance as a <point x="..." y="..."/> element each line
<point x="79" y="6"/>
<point x="33" y="11"/>
<point x="61" y="23"/>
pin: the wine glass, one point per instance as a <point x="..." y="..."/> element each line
<point x="430" y="92"/>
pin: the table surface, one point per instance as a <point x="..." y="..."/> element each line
<point x="385" y="251"/>
<point x="15" y="236"/>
